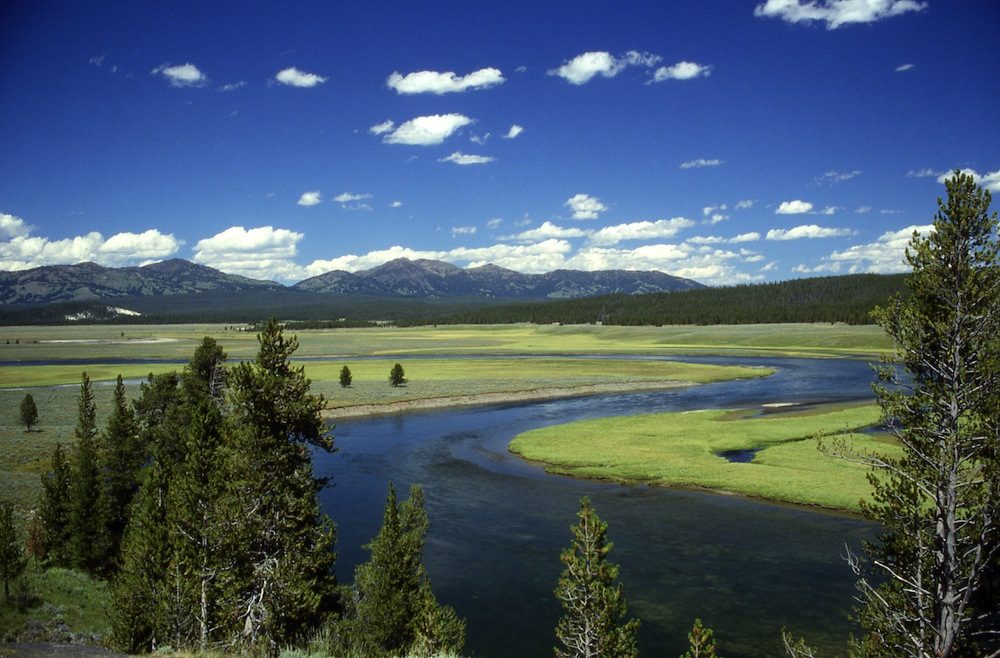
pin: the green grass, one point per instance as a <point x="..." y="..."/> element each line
<point x="65" y="602"/>
<point x="681" y="449"/>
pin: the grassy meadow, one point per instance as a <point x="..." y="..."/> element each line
<point x="682" y="449"/>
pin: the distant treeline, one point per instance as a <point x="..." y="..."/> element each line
<point x="849" y="299"/>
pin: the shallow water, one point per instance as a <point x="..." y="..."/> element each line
<point x="746" y="568"/>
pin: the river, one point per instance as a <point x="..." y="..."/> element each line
<point x="747" y="568"/>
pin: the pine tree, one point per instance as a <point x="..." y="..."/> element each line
<point x="89" y="541"/>
<point x="701" y="641"/>
<point x="121" y="456"/>
<point x="13" y="561"/>
<point x="938" y="503"/>
<point x="396" y="611"/>
<point x="29" y="412"/>
<point x="594" y="605"/>
<point x="345" y="377"/>
<point x="54" y="510"/>
<point x="396" y="375"/>
<point x="281" y="546"/>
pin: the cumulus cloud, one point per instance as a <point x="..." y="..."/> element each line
<point x="421" y="131"/>
<point x="645" y="230"/>
<point x="836" y="13"/>
<point x="584" y="67"/>
<point x="349" y="197"/>
<point x="752" y="236"/>
<point x="989" y="181"/>
<point x="514" y="131"/>
<point x="182" y="75"/>
<point x="905" y="67"/>
<point x="460" y="158"/>
<point x="263" y="252"/>
<point x="24" y="251"/>
<point x="396" y="204"/>
<point x="296" y="78"/>
<point x="433" y="82"/>
<point x="701" y="263"/>
<point x="807" y="231"/>
<point x="11" y="226"/>
<point x="796" y="207"/>
<point x="544" y="232"/>
<point x="311" y="198"/>
<point x="585" y="206"/>
<point x="701" y="162"/>
<point x="884" y="256"/>
<point x="681" y="71"/>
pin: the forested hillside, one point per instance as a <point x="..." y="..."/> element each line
<point x="847" y="299"/>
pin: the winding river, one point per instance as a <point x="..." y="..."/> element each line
<point x="747" y="568"/>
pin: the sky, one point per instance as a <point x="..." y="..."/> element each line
<point x="725" y="141"/>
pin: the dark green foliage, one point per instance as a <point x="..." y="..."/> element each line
<point x="701" y="642"/>
<point x="121" y="456"/>
<point x="848" y="299"/>
<point x="394" y="609"/>
<point x="13" y="560"/>
<point x="594" y="606"/>
<point x="90" y="545"/>
<point x="345" y="377"/>
<point x="29" y="412"/>
<point x="938" y="503"/>
<point x="54" y="511"/>
<point x="396" y="375"/>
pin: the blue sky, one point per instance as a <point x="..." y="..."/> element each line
<point x="723" y="141"/>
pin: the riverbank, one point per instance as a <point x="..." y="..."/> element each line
<point x="529" y="395"/>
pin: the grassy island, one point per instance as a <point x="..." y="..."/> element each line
<point x="687" y="449"/>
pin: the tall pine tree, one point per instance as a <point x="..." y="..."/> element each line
<point x="54" y="511"/>
<point x="592" y="625"/>
<point x="121" y="456"/>
<point x="90" y="544"/>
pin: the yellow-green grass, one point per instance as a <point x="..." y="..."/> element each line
<point x="59" y="597"/>
<point x="100" y="343"/>
<point x="681" y="449"/>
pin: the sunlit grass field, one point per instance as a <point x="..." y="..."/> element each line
<point x="682" y="449"/>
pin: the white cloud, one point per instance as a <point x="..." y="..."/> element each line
<point x="11" y="226"/>
<point x="382" y="128"/>
<point x="23" y="251"/>
<point x="807" y="231"/>
<point x="746" y="204"/>
<point x="182" y="75"/>
<point x="926" y="172"/>
<point x="546" y="231"/>
<point x="467" y="159"/>
<point x="770" y="267"/>
<point x="296" y="78"/>
<point x="646" y="230"/>
<point x="708" y="210"/>
<point x="905" y="67"/>
<point x="462" y="230"/>
<point x="422" y="131"/>
<point x="863" y="210"/>
<point x="716" y="218"/>
<point x="396" y="204"/>
<point x="310" y="198"/>
<point x="582" y="68"/>
<point x="796" y="207"/>
<point x="989" y="181"/>
<point x="885" y="255"/>
<point x="348" y="197"/>
<point x="704" y="264"/>
<point x="701" y="162"/>
<point x="481" y="140"/>
<point x="836" y="13"/>
<point x="514" y="131"/>
<point x="433" y="82"/>
<point x="890" y="211"/>
<point x="752" y="236"/>
<point x="681" y="71"/>
<point x="829" y="210"/>
<point x="494" y="223"/>
<point x="585" y="206"/>
<point x="706" y="239"/>
<point x="232" y="86"/>
<point x="263" y="252"/>
<point x="832" y="177"/>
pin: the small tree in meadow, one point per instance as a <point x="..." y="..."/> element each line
<point x="29" y="412"/>
<point x="345" y="377"/>
<point x="396" y="375"/>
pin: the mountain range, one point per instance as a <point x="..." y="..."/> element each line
<point x="401" y="278"/>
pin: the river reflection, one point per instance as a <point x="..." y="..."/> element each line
<point x="746" y="568"/>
